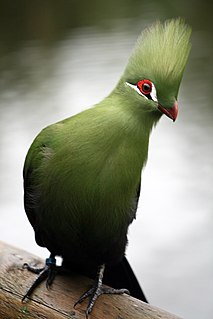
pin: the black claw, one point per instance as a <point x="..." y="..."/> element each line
<point x="88" y="311"/>
<point x="96" y="291"/>
<point x="84" y="296"/>
<point x="32" y="269"/>
<point x="42" y="276"/>
<point x="48" y="272"/>
<point x="112" y="291"/>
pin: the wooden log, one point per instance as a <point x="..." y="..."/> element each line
<point x="58" y="301"/>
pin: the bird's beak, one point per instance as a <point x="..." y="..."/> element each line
<point x="170" y="112"/>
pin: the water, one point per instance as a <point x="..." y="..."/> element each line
<point x="55" y="63"/>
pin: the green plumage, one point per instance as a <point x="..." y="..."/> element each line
<point x="82" y="175"/>
<point x="87" y="169"/>
<point x="160" y="55"/>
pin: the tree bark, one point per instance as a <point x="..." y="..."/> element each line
<point x="58" y="301"/>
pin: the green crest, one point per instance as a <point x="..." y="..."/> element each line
<point x="160" y="55"/>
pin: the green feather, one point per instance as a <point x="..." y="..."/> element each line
<point x="160" y="55"/>
<point x="90" y="164"/>
<point x="82" y="174"/>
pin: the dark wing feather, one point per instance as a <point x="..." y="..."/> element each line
<point x="135" y="203"/>
<point x="32" y="162"/>
<point x="121" y="275"/>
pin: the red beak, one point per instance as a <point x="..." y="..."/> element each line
<point x="170" y="112"/>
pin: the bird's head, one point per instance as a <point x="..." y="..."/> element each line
<point x="155" y="68"/>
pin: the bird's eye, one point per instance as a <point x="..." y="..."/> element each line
<point x="145" y="86"/>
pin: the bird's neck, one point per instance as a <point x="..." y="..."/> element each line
<point x="128" y="128"/>
<point x="123" y="136"/>
<point x="136" y="122"/>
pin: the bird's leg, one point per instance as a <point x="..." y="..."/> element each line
<point x="97" y="290"/>
<point x="47" y="272"/>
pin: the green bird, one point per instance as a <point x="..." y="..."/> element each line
<point x="82" y="175"/>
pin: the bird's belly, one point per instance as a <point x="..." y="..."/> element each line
<point x="85" y="210"/>
<point x="87" y="233"/>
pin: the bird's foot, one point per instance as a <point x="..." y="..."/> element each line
<point x="47" y="272"/>
<point x="98" y="290"/>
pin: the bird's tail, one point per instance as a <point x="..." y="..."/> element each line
<point x="121" y="275"/>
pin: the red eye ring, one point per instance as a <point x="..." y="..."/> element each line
<point x="145" y="86"/>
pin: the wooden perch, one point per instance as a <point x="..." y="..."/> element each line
<point x="58" y="301"/>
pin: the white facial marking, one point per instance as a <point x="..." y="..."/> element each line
<point x="153" y="93"/>
<point x="134" y="87"/>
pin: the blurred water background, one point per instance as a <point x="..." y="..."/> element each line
<point x="58" y="58"/>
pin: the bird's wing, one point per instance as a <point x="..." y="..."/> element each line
<point x="135" y="204"/>
<point x="121" y="274"/>
<point x="34" y="159"/>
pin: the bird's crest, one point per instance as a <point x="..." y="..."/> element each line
<point x="160" y="53"/>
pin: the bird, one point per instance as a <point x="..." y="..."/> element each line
<point x="82" y="175"/>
